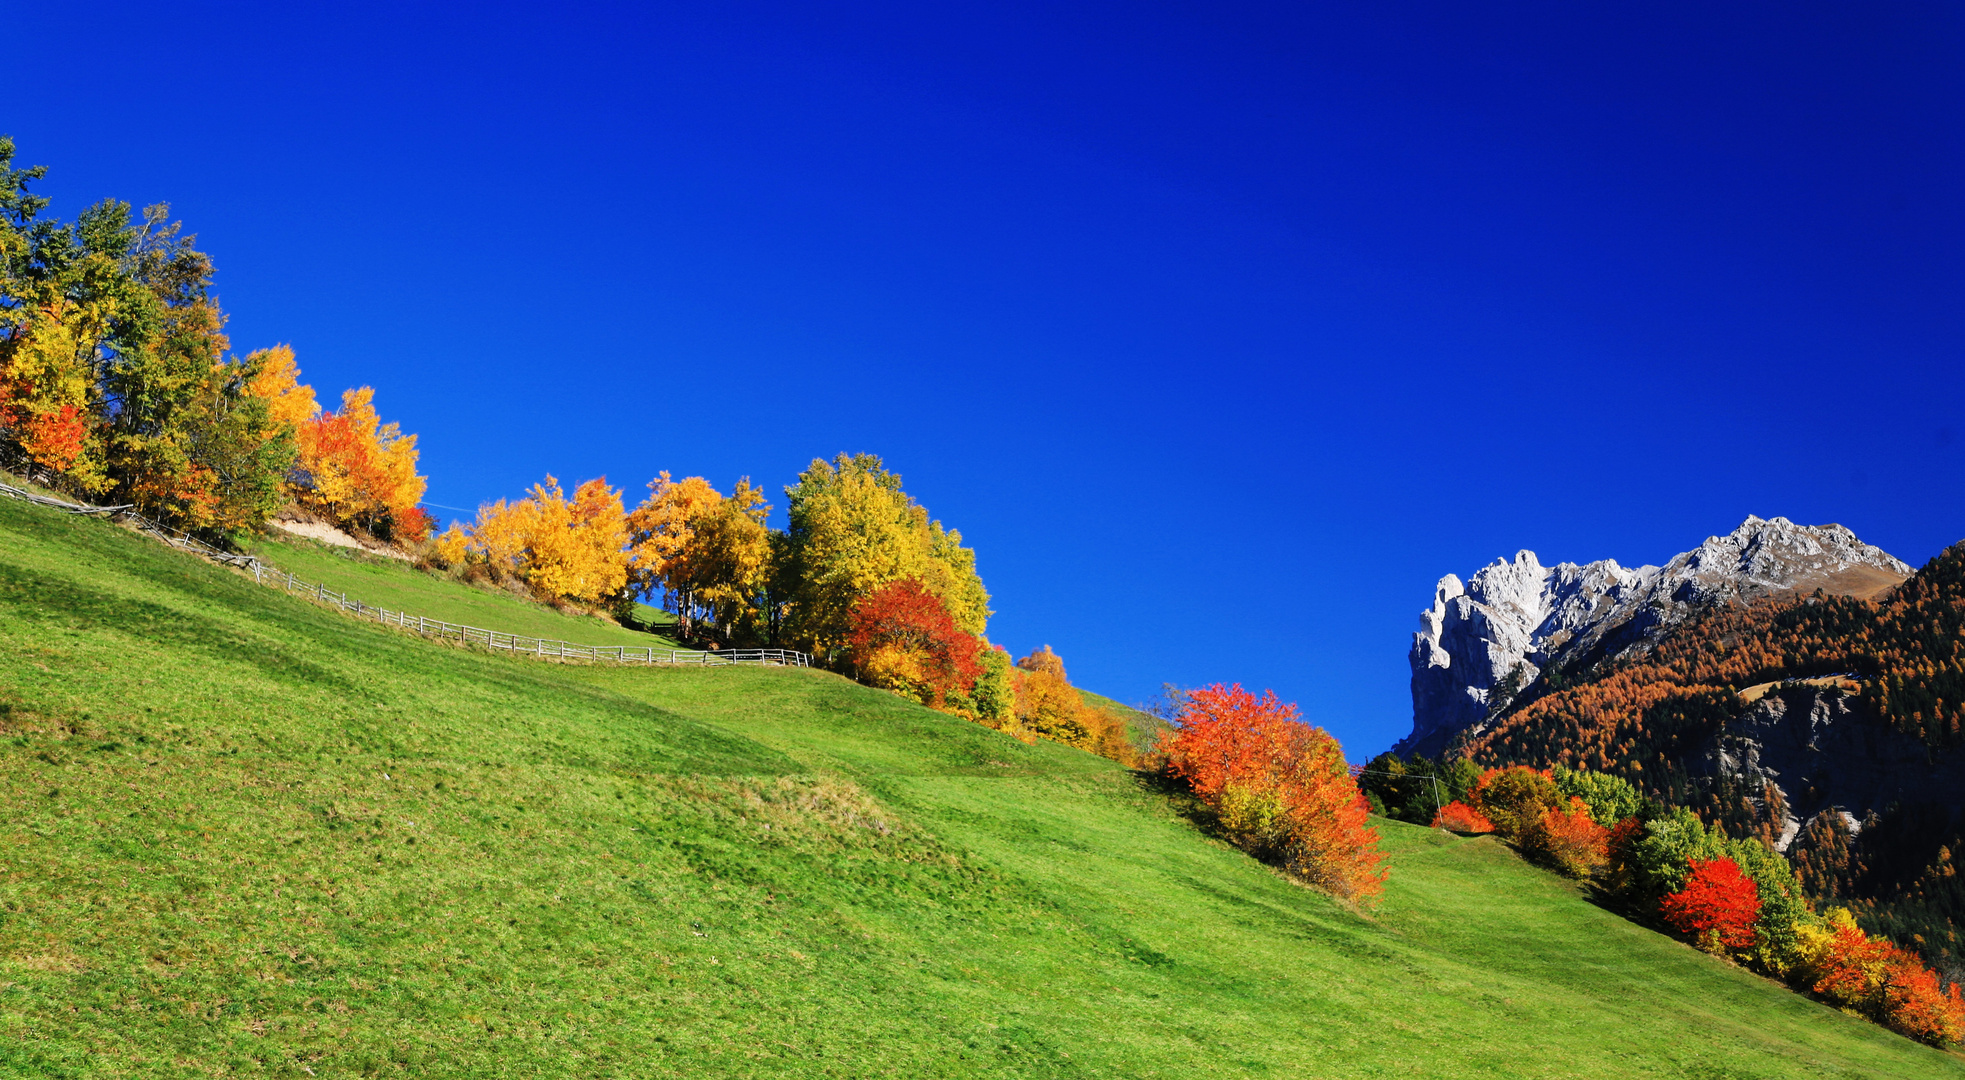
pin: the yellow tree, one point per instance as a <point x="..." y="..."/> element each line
<point x="853" y="530"/>
<point x="47" y="375"/>
<point x="288" y="400"/>
<point x="573" y="548"/>
<point x="727" y="561"/>
<point x="660" y="531"/>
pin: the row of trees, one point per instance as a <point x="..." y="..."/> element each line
<point x="862" y="578"/>
<point x="1728" y="896"/>
<point x="117" y="382"/>
<point x="712" y="559"/>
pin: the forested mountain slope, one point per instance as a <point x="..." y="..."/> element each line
<point x="1828" y="725"/>
<point x="242" y="835"/>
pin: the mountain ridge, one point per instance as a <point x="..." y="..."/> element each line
<point x="1482" y="642"/>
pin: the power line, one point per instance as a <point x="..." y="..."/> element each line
<point x="1437" y="804"/>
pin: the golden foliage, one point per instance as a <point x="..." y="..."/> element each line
<point x="360" y="470"/>
<point x="574" y="548"/>
<point x="288" y="400"/>
<point x="710" y="553"/>
<point x="853" y="530"/>
<point x="46" y="384"/>
<point x="1049" y="707"/>
<point x="453" y="546"/>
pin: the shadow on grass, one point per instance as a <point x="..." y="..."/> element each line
<point x="33" y="595"/>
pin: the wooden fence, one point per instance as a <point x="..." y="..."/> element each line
<point x="469" y="635"/>
<point x="518" y="643"/>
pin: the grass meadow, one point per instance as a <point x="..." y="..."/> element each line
<point x="244" y="835"/>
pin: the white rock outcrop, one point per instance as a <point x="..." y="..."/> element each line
<point x="1513" y="619"/>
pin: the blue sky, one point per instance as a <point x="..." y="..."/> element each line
<point x="1221" y="331"/>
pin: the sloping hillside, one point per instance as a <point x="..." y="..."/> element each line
<point x="243" y="835"/>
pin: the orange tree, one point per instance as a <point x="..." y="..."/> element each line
<point x="360" y="471"/>
<point x="1280" y="787"/>
<point x="1879" y="979"/>
<point x="1569" y="839"/>
<point x="1458" y="817"/>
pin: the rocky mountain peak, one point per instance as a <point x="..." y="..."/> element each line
<point x="1484" y="640"/>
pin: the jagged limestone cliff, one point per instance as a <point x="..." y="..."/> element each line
<point x="1499" y="631"/>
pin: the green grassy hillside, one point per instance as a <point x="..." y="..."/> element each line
<point x="393" y="584"/>
<point x="244" y="835"/>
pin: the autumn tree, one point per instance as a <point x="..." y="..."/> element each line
<point x="1280" y="787"/>
<point x="1569" y="839"/>
<point x="729" y="566"/>
<point x="852" y="530"/>
<point x="276" y="380"/>
<point x="1716" y="908"/>
<point x="904" y="640"/>
<point x="993" y="699"/>
<point x="1514" y="798"/>
<point x="356" y="469"/>
<point x="56" y="303"/>
<point x="710" y="555"/>
<point x="574" y="548"/>
<point x="113" y="368"/>
<point x="1458" y="817"/>
<point x="1048" y="706"/>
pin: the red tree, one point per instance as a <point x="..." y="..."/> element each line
<point x="904" y="639"/>
<point x="413" y="525"/>
<point x="1717" y="907"/>
<point x="1280" y="786"/>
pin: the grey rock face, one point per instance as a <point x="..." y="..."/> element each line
<point x="1513" y="619"/>
<point x="1805" y="748"/>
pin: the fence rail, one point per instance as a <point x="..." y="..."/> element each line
<point x="438" y="628"/>
<point x="519" y="643"/>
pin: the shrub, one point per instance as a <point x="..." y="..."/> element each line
<point x="992" y="701"/>
<point x="1514" y="798"/>
<point x="1458" y="817"/>
<point x="1716" y="908"/>
<point x="1569" y="839"/>
<point x="1840" y="963"/>
<point x="1279" y="787"/>
<point x="1048" y="705"/>
<point x="1916" y="1007"/>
